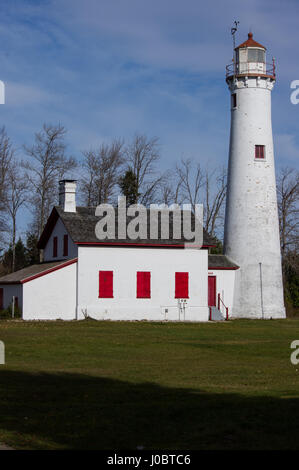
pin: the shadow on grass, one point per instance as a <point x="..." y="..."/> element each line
<point x="72" y="411"/>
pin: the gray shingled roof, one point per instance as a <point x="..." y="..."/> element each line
<point x="81" y="227"/>
<point x="221" y="261"/>
<point x="25" y="273"/>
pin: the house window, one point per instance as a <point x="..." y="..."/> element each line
<point x="181" y="285"/>
<point x="65" y="245"/>
<point x="55" y="247"/>
<point x="106" y="284"/>
<point x="259" y="151"/>
<point x="143" y="285"/>
<point x="234" y="100"/>
<point x="1" y="298"/>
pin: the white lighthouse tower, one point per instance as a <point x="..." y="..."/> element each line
<point x="251" y="236"/>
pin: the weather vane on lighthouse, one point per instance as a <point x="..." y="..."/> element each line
<point x="233" y="31"/>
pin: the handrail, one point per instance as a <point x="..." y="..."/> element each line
<point x="218" y="306"/>
<point x="231" y="69"/>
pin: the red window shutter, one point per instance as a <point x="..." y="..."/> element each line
<point x="259" y="151"/>
<point x="16" y="302"/>
<point x="143" y="285"/>
<point x="1" y="298"/>
<point x="54" y="247"/>
<point x="181" y="285"/>
<point x="65" y="245"/>
<point x="106" y="284"/>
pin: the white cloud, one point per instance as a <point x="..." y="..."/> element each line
<point x="20" y="94"/>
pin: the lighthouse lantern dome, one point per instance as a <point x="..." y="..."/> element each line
<point x="250" y="57"/>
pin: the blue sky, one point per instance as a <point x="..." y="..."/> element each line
<point x="111" y="68"/>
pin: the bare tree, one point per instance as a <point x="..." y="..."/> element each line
<point x="288" y="209"/>
<point x="6" y="155"/>
<point x="101" y="173"/>
<point x="189" y="181"/>
<point x="142" y="156"/>
<point x="46" y="165"/>
<point x="16" y="198"/>
<point x="196" y="185"/>
<point x="171" y="190"/>
<point x="213" y="199"/>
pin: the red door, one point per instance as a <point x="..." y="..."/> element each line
<point x="212" y="291"/>
<point x="1" y="298"/>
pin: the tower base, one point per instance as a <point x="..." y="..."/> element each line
<point x="269" y="314"/>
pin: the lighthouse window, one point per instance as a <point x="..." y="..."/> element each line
<point x="259" y="151"/>
<point x="256" y="55"/>
<point x="234" y="100"/>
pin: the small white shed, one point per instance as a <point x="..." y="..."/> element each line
<point x="43" y="291"/>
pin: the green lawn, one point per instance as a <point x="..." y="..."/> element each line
<point x="106" y="385"/>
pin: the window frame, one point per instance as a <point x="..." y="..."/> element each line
<point x="258" y="53"/>
<point x="55" y="247"/>
<point x="234" y="101"/>
<point x="258" y="155"/>
<point x="65" y="245"/>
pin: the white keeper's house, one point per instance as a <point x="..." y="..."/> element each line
<point x="160" y="279"/>
<point x="116" y="279"/>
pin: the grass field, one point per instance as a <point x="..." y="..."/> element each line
<point x="106" y="385"/>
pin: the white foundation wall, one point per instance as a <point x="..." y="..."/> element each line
<point x="10" y="290"/>
<point x="125" y="262"/>
<point x="52" y="296"/>
<point x="225" y="283"/>
<point x="251" y="223"/>
<point x="59" y="231"/>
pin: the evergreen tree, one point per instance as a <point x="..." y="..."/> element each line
<point x="218" y="249"/>
<point x="291" y="281"/>
<point x="129" y="187"/>
<point x="32" y="252"/>
<point x="20" y="257"/>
